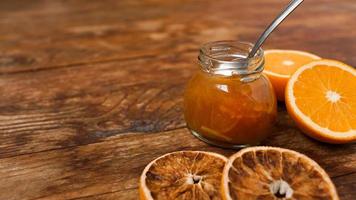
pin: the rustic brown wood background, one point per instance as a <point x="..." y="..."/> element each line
<point x="91" y="91"/>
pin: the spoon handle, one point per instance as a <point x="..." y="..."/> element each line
<point x="289" y="9"/>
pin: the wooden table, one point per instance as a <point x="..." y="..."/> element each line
<point x="91" y="91"/>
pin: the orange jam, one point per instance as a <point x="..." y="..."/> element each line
<point x="223" y="108"/>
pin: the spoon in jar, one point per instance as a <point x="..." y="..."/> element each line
<point x="288" y="10"/>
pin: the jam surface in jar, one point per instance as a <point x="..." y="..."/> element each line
<point x="224" y="109"/>
<point x="228" y="110"/>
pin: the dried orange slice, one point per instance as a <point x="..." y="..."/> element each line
<point x="321" y="98"/>
<point x="281" y="64"/>
<point x="183" y="175"/>
<point x="271" y="173"/>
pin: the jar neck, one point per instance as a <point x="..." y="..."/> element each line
<point x="230" y="58"/>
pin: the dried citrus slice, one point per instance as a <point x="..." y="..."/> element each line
<point x="281" y="64"/>
<point x="183" y="175"/>
<point x="321" y="98"/>
<point x="271" y="173"/>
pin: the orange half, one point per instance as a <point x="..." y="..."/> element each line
<point x="321" y="98"/>
<point x="281" y="64"/>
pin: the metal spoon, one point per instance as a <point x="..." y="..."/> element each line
<point x="288" y="10"/>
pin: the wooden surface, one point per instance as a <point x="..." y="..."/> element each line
<point x="91" y="91"/>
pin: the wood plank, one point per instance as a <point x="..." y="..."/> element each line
<point x="66" y="107"/>
<point x="87" y="104"/>
<point x="115" y="164"/>
<point x="346" y="186"/>
<point x="91" y="169"/>
<point x="80" y="105"/>
<point x="63" y="34"/>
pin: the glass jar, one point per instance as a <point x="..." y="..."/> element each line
<point x="229" y="102"/>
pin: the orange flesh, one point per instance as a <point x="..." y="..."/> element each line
<point x="281" y="63"/>
<point x="311" y="97"/>
<point x="225" y="109"/>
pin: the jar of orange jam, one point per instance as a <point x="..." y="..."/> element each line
<point x="229" y="102"/>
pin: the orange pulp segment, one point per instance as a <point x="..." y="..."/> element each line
<point x="281" y="64"/>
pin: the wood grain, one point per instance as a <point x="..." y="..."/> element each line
<point x="93" y="102"/>
<point x="90" y="92"/>
<point x="77" y="32"/>
<point x="114" y="164"/>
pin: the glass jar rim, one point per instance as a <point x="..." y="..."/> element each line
<point x="230" y="55"/>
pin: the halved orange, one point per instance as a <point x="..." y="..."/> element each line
<point x="185" y="175"/>
<point x="281" y="64"/>
<point x="272" y="173"/>
<point x="321" y="98"/>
